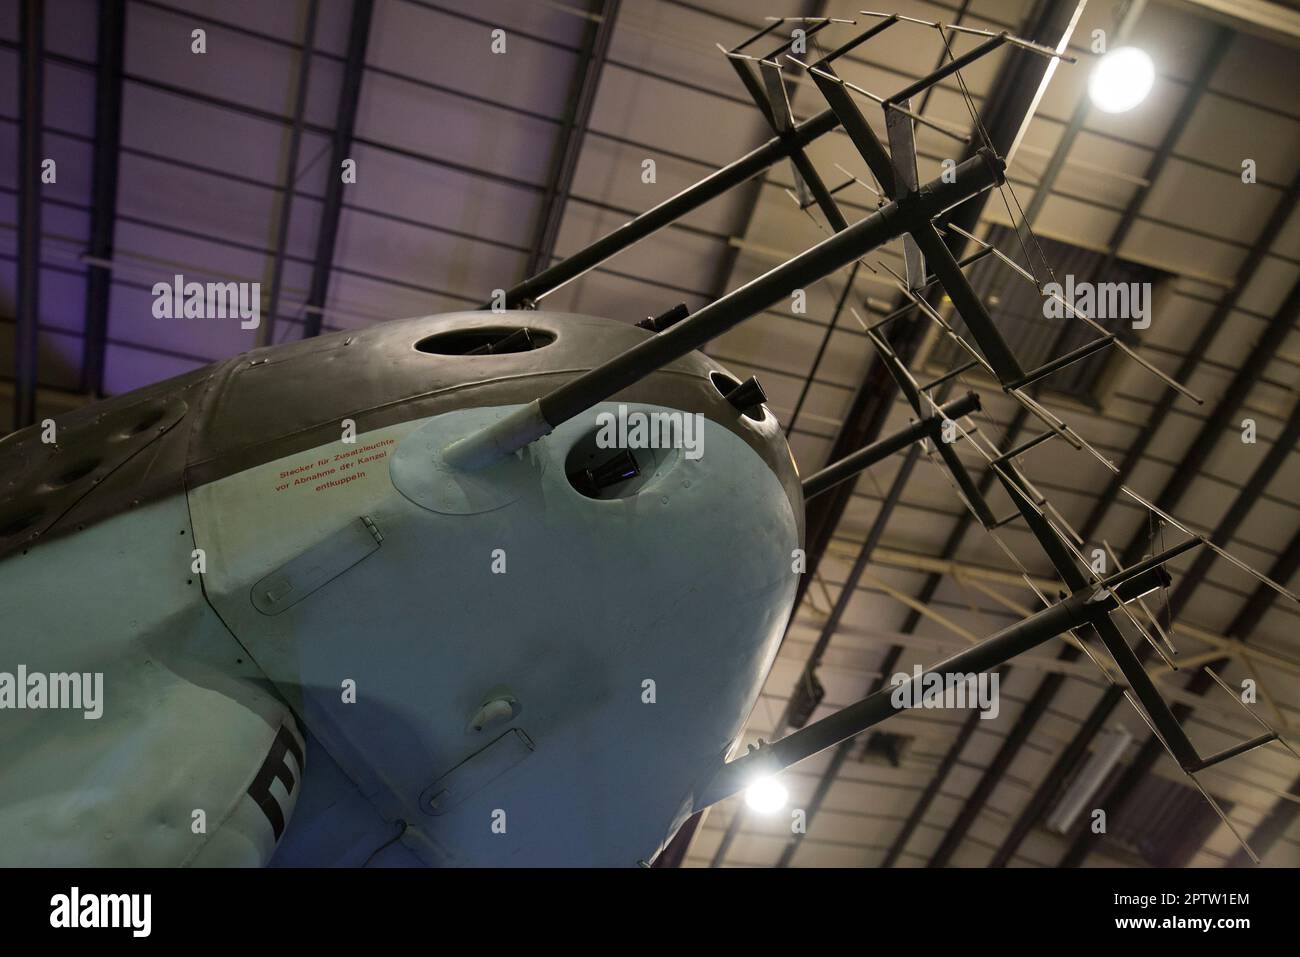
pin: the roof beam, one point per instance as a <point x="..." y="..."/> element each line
<point x="31" y="100"/>
<point x="1088" y="604"/>
<point x="103" y="206"/>
<point x="266" y="331"/>
<point x="931" y="791"/>
<point x="1049" y="686"/>
<point x="830" y="626"/>
<point x="751" y="195"/>
<point x="1060" y="154"/>
<point x="840" y="302"/>
<point x="1242" y="626"/>
<point x="1113" y="696"/>
<point x="1200" y="346"/>
<point x="1046" y="790"/>
<point x="1270" y="830"/>
<point x="569" y="145"/>
<point x="814" y="8"/>
<point x="349" y="95"/>
<point x="872" y="402"/>
<point x="1275" y="824"/>
<point x="1012" y="95"/>
<point x="1260" y="17"/>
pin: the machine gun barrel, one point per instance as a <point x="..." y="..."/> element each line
<point x="670" y="210"/>
<point x="914" y="213"/>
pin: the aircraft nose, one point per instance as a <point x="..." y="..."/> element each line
<point x="616" y="447"/>
<point x="646" y="577"/>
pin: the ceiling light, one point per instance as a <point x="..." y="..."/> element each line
<point x="1106" y="753"/>
<point x="766" y="796"/>
<point x="1121" y="80"/>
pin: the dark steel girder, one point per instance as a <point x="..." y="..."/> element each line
<point x="1002" y="137"/>
<point x="103" y="206"/>
<point x="1111" y="698"/>
<point x="1241" y="627"/>
<point x="266" y="331"/>
<point x="837" y="223"/>
<point x="1277" y="821"/>
<point x="595" y="48"/>
<point x="1229" y="405"/>
<point x="692" y="198"/>
<point x="1047" y="789"/>
<point x="753" y="191"/>
<point x="931" y="791"/>
<point x="354" y="69"/>
<point x="840" y="228"/>
<point x="1090" y="604"/>
<point x="1048" y="687"/>
<point x="752" y="196"/>
<point x="1270" y="830"/>
<point x="840" y="303"/>
<point x="31" y="102"/>
<point x="1011" y="97"/>
<point x="1286" y="205"/>
<point x="864" y="141"/>
<point x="847" y="590"/>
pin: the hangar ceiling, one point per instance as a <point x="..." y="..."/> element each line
<point x="475" y="167"/>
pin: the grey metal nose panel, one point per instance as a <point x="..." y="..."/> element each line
<point x="686" y="583"/>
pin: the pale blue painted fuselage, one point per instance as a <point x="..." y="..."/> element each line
<point x="359" y="603"/>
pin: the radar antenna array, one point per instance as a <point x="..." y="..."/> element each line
<point x="917" y="214"/>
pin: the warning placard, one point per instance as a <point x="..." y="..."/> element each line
<point x="334" y="470"/>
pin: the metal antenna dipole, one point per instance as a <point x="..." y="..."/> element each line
<point x="1091" y="599"/>
<point x="1080" y="608"/>
<point x="910" y="214"/>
